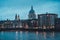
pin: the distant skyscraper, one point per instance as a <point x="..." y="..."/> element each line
<point x="31" y="14"/>
<point x="17" y="17"/>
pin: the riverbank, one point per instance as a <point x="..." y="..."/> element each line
<point x="26" y="29"/>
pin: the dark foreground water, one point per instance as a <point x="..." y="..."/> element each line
<point x="21" y="35"/>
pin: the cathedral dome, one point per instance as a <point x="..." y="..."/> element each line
<point x="31" y="11"/>
<point x="31" y="14"/>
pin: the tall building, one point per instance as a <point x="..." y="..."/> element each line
<point x="31" y="14"/>
<point x="17" y="17"/>
<point x="57" y="24"/>
<point x="17" y="21"/>
<point x="47" y="21"/>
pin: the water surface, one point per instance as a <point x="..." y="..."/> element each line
<point x="26" y="35"/>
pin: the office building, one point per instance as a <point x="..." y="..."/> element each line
<point x="47" y="21"/>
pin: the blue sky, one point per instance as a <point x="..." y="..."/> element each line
<point x="8" y="8"/>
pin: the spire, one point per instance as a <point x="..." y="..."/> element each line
<point x="31" y="7"/>
<point x="16" y="17"/>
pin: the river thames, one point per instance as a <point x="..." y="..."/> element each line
<point x="26" y="35"/>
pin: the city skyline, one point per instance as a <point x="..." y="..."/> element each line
<point x="9" y="8"/>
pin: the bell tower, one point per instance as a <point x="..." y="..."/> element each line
<point x="17" y="17"/>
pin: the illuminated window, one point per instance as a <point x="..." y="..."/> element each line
<point x="52" y="26"/>
<point x="48" y="27"/>
<point x="44" y="27"/>
<point x="40" y="16"/>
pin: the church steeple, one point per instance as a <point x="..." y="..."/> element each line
<point x="17" y="17"/>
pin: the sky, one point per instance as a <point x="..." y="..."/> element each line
<point x="9" y="8"/>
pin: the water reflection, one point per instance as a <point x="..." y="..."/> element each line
<point x="44" y="35"/>
<point x="20" y="32"/>
<point x="16" y="35"/>
<point x="36" y="32"/>
<point x="2" y="32"/>
<point x="26" y="35"/>
<point x="21" y="35"/>
<point x="52" y="34"/>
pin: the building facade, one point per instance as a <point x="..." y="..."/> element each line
<point x="57" y="24"/>
<point x="11" y="23"/>
<point x="47" y="21"/>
